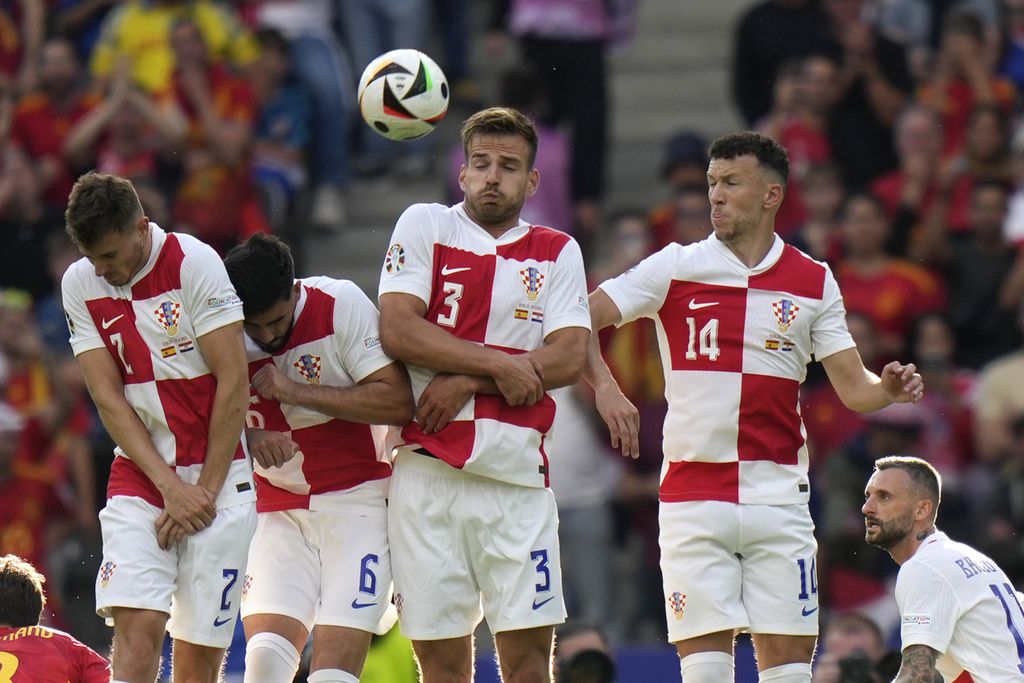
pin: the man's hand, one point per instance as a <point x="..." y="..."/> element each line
<point x="520" y="380"/>
<point x="273" y="384"/>
<point x="168" y="532"/>
<point x="901" y="383"/>
<point x="190" y="505"/>
<point x="442" y="400"/>
<point x="622" y="418"/>
<point x="269" y="448"/>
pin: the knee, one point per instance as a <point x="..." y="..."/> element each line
<point x="137" y="645"/>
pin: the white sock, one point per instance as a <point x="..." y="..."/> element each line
<point x="331" y="676"/>
<point x="270" y="658"/>
<point x="707" y="667"/>
<point x="787" y="673"/>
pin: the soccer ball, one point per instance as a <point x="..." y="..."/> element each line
<point x="403" y="94"/>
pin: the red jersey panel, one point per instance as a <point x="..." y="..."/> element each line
<point x="37" y="654"/>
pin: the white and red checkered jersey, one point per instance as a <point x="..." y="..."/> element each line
<point x="508" y="293"/>
<point x="150" y="327"/>
<point x="334" y="342"/>
<point x="735" y="343"/>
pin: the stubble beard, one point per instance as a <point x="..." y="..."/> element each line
<point x="889" y="534"/>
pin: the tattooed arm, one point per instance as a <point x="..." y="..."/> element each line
<point x="918" y="666"/>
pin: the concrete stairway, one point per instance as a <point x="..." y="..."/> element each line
<point x="672" y="76"/>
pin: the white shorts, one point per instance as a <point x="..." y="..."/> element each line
<point x="322" y="567"/>
<point x="745" y="567"/>
<point x="456" y="536"/>
<point x="198" y="582"/>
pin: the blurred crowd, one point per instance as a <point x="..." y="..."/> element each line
<point x="905" y="128"/>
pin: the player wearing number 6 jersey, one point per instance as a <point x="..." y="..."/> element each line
<point x="30" y="653"/>
<point x="739" y="316"/>
<point x="487" y="312"/>
<point x="959" y="612"/>
<point x="157" y="329"/>
<point x="321" y="386"/>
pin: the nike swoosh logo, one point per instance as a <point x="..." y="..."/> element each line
<point x="445" y="270"/>
<point x="220" y="622"/>
<point x="360" y="605"/>
<point x="696" y="306"/>
<point x="107" y="323"/>
<point x="806" y="612"/>
<point x="538" y="605"/>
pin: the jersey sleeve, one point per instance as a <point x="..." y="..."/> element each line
<point x="641" y="290"/>
<point x="208" y="293"/>
<point x="566" y="304"/>
<point x="357" y="327"/>
<point x="92" y="667"/>
<point x="829" y="334"/>
<point x="82" y="332"/>
<point x="409" y="263"/>
<point x="928" y="607"/>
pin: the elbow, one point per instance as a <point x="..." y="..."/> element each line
<point x="404" y="411"/>
<point x="393" y="341"/>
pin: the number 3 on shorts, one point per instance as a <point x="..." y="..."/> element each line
<point x="541" y="558"/>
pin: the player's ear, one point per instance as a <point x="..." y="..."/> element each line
<point x="923" y="509"/>
<point x="773" y="196"/>
<point x="462" y="177"/>
<point x="532" y="182"/>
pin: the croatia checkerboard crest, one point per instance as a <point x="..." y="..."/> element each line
<point x="403" y="94"/>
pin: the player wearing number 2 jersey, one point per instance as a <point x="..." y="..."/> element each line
<point x="959" y="612"/>
<point x="739" y="316"/>
<point x="321" y="385"/>
<point x="30" y="653"/>
<point x="157" y="330"/>
<point x="487" y="312"/>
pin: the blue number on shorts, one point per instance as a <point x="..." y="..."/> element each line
<point x="806" y="577"/>
<point x="542" y="568"/>
<point x="232" y="576"/>
<point x="367" y="579"/>
<point x="1011" y="621"/>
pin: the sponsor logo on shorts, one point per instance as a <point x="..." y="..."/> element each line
<point x="808" y="612"/>
<point x="360" y="605"/>
<point x="917" y="619"/>
<point x="106" y="571"/>
<point x="219" y="621"/>
<point x="677" y="601"/>
<point x="538" y="604"/>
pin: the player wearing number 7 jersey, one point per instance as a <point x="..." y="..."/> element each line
<point x="157" y="330"/>
<point x="959" y="612"/>
<point x="30" y="653"/>
<point x="739" y="316"/>
<point x="322" y="389"/>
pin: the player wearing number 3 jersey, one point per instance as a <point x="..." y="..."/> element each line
<point x="487" y="312"/>
<point x="958" y="610"/>
<point x="739" y="315"/>
<point x="30" y="653"/>
<point x="157" y="330"/>
<point x="322" y="389"/>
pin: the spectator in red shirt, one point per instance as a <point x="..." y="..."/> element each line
<point x="42" y="119"/>
<point x="891" y="291"/>
<point x="33" y="653"/>
<point x="216" y="199"/>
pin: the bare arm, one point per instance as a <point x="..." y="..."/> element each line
<point x="190" y="506"/>
<point x="407" y="336"/>
<point x="918" y="666"/>
<point x="862" y="390"/>
<point x="224" y="353"/>
<point x="616" y="410"/>
<point x="382" y="397"/>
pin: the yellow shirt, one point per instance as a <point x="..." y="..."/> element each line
<point x="140" y="30"/>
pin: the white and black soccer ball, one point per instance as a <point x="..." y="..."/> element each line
<point x="403" y="94"/>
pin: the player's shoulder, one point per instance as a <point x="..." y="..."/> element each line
<point x="340" y="290"/>
<point x="541" y="243"/>
<point x="78" y="276"/>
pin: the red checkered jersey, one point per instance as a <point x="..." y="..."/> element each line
<point x="37" y="654"/>
<point x="150" y="327"/>
<point x="334" y="342"/>
<point x="735" y="342"/>
<point x="508" y="293"/>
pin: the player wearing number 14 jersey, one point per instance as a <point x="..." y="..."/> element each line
<point x="958" y="610"/>
<point x="739" y="315"/>
<point x="322" y="389"/>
